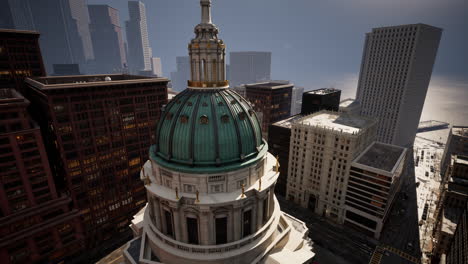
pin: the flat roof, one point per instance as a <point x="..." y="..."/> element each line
<point x="287" y="123"/>
<point x="270" y="85"/>
<point x="347" y="102"/>
<point x="16" y="31"/>
<point x="75" y="81"/>
<point x="381" y="156"/>
<point x="322" y="91"/>
<point x="450" y="219"/>
<point x="346" y="123"/>
<point x="431" y="123"/>
<point x="460" y="130"/>
<point x="11" y="96"/>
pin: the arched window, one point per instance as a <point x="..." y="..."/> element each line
<point x="203" y="70"/>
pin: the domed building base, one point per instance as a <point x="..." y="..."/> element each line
<point x="284" y="241"/>
<point x="275" y="238"/>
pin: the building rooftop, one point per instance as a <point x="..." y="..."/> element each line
<point x="460" y="131"/>
<point x="74" y="81"/>
<point x="345" y="123"/>
<point x="287" y="123"/>
<point x="450" y="219"/>
<point x="323" y="91"/>
<point x="382" y="156"/>
<point x="15" y="31"/>
<point x="270" y="85"/>
<point x="10" y="96"/>
<point x="347" y="102"/>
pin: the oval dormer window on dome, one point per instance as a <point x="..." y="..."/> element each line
<point x="242" y="116"/>
<point x="184" y="119"/>
<point x="204" y="120"/>
<point x="225" y="119"/>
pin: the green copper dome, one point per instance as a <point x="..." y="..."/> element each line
<point x="202" y="128"/>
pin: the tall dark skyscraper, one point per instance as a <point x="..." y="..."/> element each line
<point x="98" y="129"/>
<point x="395" y="73"/>
<point x="139" y="51"/>
<point x="106" y="34"/>
<point x="249" y="67"/>
<point x="36" y="222"/>
<point x="20" y="57"/>
<point x="16" y="14"/>
<point x="64" y="28"/>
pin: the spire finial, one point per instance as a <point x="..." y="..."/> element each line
<point x="206" y="11"/>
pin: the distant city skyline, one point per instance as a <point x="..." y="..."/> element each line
<point x="320" y="44"/>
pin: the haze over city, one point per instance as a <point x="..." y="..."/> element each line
<point x="319" y="43"/>
<point x="233" y="131"/>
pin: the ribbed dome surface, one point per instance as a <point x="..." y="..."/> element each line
<point x="209" y="127"/>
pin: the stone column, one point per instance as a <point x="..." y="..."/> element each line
<point x="177" y="226"/>
<point x="260" y="212"/>
<point x="157" y="214"/>
<point x="254" y="217"/>
<point x="236" y="218"/>
<point x="205" y="227"/>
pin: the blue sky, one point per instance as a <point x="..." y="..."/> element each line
<point x="315" y="43"/>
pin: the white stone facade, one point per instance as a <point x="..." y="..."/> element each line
<point x="273" y="235"/>
<point x="322" y="148"/>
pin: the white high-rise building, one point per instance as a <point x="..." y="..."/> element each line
<point x="249" y="67"/>
<point x="395" y="73"/>
<point x="156" y="66"/>
<point x="322" y="147"/>
<point x="139" y="51"/>
<point x="296" y="100"/>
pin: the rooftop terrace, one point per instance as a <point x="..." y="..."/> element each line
<point x="8" y="96"/>
<point x="344" y="123"/>
<point x="323" y="91"/>
<point x="381" y="156"/>
<point x="270" y="85"/>
<point x="287" y="123"/>
<point x="460" y="130"/>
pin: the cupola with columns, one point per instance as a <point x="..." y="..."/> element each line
<point x="207" y="53"/>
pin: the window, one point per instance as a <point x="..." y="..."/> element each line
<point x="221" y="230"/>
<point x="189" y="188"/>
<point x="192" y="230"/>
<point x="217" y="188"/>
<point x="169" y="228"/>
<point x="241" y="182"/>
<point x="247" y="223"/>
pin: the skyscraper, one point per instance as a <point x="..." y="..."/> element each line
<point x="210" y="179"/>
<point x="180" y="77"/>
<point x="97" y="129"/>
<point x="20" y="57"/>
<point x="296" y="100"/>
<point x="106" y="34"/>
<point x="272" y="99"/>
<point x="456" y="145"/>
<point x="16" y="14"/>
<point x="249" y="67"/>
<point x="139" y="51"/>
<point x="156" y="66"/>
<point x="64" y="28"/>
<point x="36" y="222"/>
<point x="395" y="73"/>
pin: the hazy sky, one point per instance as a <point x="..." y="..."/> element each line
<point x="315" y="43"/>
